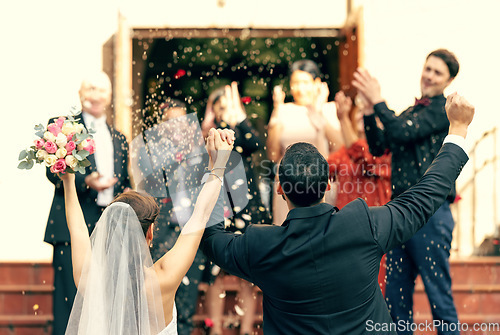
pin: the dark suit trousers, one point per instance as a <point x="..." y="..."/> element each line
<point x="426" y="253"/>
<point x="64" y="287"/>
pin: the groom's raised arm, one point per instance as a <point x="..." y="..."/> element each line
<point x="226" y="249"/>
<point x="397" y="221"/>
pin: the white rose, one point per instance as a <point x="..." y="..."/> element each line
<point x="49" y="136"/>
<point x="50" y="160"/>
<point x="82" y="145"/>
<point x="61" y="153"/>
<point x="41" y="155"/>
<point x="71" y="161"/>
<point x="79" y="128"/>
<point x="68" y="128"/>
<point x="61" y="140"/>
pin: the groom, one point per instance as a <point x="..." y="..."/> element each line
<point x="318" y="270"/>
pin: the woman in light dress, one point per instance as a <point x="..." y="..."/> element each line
<point x="120" y="290"/>
<point x="310" y="118"/>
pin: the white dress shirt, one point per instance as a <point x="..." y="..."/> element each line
<point x="104" y="154"/>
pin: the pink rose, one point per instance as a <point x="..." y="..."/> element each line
<point x="60" y="121"/>
<point x="50" y="147"/>
<point x="59" y="166"/>
<point x="39" y="143"/>
<point x="54" y="129"/>
<point x="70" y="137"/>
<point x="70" y="146"/>
<point x="90" y="146"/>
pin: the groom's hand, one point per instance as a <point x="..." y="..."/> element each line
<point x="460" y="114"/>
<point x="225" y="140"/>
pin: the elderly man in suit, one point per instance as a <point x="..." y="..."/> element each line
<point x="318" y="270"/>
<point x="104" y="178"/>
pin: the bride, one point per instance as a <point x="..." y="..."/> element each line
<point x="120" y="290"/>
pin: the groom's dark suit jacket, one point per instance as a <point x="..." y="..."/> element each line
<point x="57" y="229"/>
<point x="318" y="271"/>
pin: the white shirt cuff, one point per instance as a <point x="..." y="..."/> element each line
<point x="457" y="140"/>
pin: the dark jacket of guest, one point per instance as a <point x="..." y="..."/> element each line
<point x="57" y="229"/>
<point x="414" y="138"/>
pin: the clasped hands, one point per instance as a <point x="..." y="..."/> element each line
<point x="219" y="144"/>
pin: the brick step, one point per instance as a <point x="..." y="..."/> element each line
<point x="25" y="324"/>
<point x="475" y="270"/>
<point x="230" y="322"/>
<point x="469" y="299"/>
<point x="13" y="273"/>
<point x="26" y="300"/>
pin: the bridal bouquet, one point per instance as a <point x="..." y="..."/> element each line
<point x="63" y="146"/>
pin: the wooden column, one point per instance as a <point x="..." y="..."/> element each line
<point x="349" y="53"/>
<point x="123" y="79"/>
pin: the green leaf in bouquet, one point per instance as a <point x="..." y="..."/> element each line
<point x="80" y="137"/>
<point x="39" y="127"/>
<point x="33" y="147"/>
<point x="84" y="163"/>
<point x="25" y="165"/>
<point x="91" y="131"/>
<point x="80" y="169"/>
<point x="40" y="133"/>
<point x="31" y="154"/>
<point x="23" y="154"/>
<point x="83" y="154"/>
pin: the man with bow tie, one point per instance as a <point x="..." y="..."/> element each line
<point x="414" y="138"/>
<point x="106" y="177"/>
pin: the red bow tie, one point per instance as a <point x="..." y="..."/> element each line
<point x="424" y="101"/>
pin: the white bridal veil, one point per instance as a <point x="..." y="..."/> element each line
<point x="118" y="292"/>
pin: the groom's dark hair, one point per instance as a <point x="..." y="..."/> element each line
<point x="303" y="174"/>
<point x="144" y="206"/>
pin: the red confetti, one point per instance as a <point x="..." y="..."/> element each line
<point x="209" y="323"/>
<point x="178" y="157"/>
<point x="180" y="73"/>
<point x="246" y="100"/>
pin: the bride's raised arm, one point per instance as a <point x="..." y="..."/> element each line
<point x="80" y="240"/>
<point x="173" y="266"/>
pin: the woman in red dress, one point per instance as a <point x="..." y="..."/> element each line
<point x="357" y="173"/>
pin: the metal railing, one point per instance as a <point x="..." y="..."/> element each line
<point x="472" y="183"/>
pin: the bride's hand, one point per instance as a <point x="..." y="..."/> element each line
<point x="224" y="143"/>
<point x="67" y="178"/>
